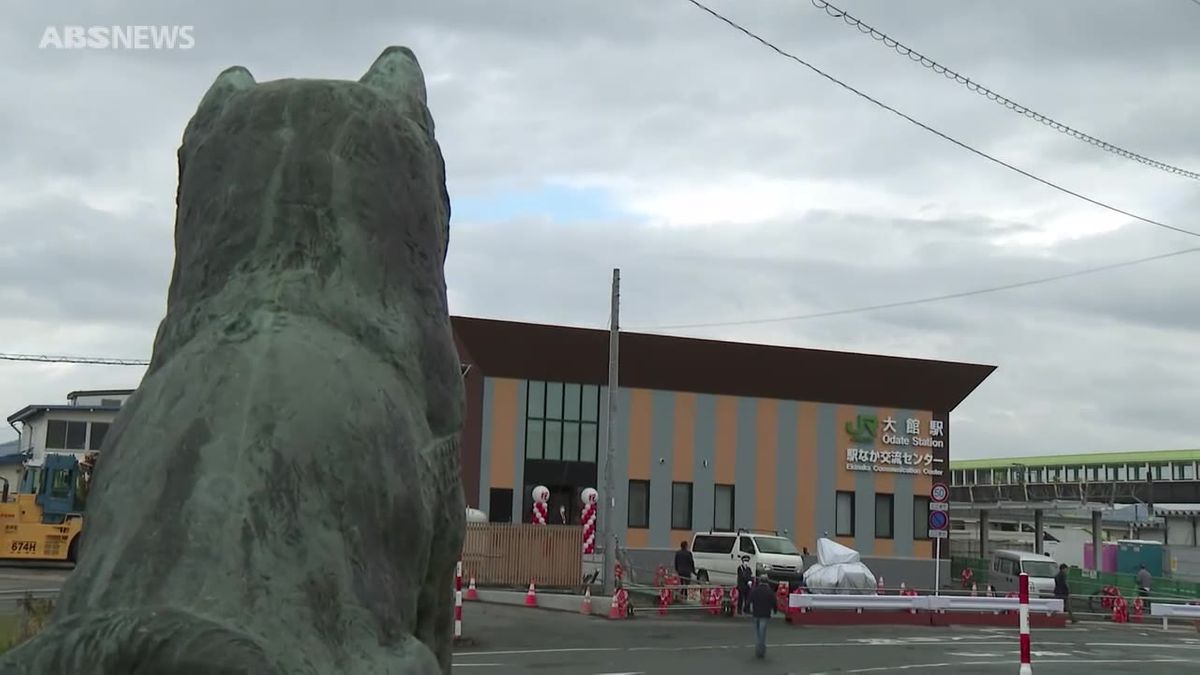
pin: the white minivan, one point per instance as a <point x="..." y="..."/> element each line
<point x="718" y="554"/>
<point x="1007" y="567"/>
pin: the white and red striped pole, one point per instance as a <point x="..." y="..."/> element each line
<point x="458" y="602"/>
<point x="1023" y="611"/>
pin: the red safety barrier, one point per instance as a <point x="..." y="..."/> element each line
<point x="790" y="613"/>
<point x="1120" y="613"/>
<point x="781" y="597"/>
<point x="1108" y="597"/>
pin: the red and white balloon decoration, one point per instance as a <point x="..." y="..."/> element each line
<point x="590" y="497"/>
<point x="541" y="509"/>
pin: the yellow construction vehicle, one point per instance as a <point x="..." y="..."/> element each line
<point x="42" y="521"/>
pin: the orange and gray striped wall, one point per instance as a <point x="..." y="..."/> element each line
<point x="787" y="460"/>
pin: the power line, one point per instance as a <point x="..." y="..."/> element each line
<point x="940" y="134"/>
<point x="936" y="298"/>
<point x="89" y="360"/>
<point x="913" y="55"/>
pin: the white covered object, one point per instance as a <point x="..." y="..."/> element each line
<point x="838" y="570"/>
<point x="829" y="552"/>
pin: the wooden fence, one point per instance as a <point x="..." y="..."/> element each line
<point x="509" y="554"/>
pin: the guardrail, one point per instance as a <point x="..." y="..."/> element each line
<point x="928" y="603"/>
<point x="36" y="593"/>
<point x="1168" y="611"/>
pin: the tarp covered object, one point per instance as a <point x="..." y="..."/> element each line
<point x="839" y="570"/>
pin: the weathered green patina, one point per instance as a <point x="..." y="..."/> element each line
<point x="282" y="494"/>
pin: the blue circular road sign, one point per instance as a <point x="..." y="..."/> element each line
<point x="938" y="520"/>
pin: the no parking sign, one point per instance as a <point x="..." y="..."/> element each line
<point x="939" y="517"/>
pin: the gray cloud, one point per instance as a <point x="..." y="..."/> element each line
<point x="653" y="106"/>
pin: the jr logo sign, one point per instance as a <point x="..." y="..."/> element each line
<point x="863" y="429"/>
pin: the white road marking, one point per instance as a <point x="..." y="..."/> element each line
<point x="697" y="648"/>
<point x="998" y="664"/>
<point x="1142" y="645"/>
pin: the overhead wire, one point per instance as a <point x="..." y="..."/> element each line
<point x="915" y="56"/>
<point x="929" y="63"/>
<point x="88" y="360"/>
<point x="919" y="301"/>
<point x="961" y="144"/>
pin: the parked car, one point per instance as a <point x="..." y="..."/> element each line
<point x="718" y="554"/>
<point x="1007" y="566"/>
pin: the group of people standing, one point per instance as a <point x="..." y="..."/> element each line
<point x="754" y="598"/>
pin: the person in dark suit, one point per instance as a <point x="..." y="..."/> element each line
<point x="745" y="576"/>
<point x="1062" y="591"/>
<point x="685" y="564"/>
<point x="762" y="606"/>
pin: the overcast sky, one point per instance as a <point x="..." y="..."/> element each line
<point x="725" y="181"/>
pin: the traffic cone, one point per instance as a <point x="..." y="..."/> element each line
<point x="974" y="590"/>
<point x="613" y="612"/>
<point x="586" y="606"/>
<point x="531" y="596"/>
<point x="472" y="594"/>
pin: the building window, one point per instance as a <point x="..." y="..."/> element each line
<point x="562" y="421"/>
<point x="639" y="503"/>
<point x="554" y="436"/>
<point x="723" y="507"/>
<point x="96" y="439"/>
<point x="62" y="435"/>
<point x="534" y="431"/>
<point x="844" y="515"/>
<point x="885" y="516"/>
<point x="500" y="505"/>
<point x="920" y="517"/>
<point x="681" y="506"/>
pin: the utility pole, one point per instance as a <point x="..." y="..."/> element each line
<point x="608" y="505"/>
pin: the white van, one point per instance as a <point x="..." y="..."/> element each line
<point x="1007" y="566"/>
<point x="718" y="554"/>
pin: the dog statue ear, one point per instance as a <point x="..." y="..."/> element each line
<point x="397" y="76"/>
<point x="230" y="81"/>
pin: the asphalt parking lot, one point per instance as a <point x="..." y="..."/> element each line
<point x="521" y="640"/>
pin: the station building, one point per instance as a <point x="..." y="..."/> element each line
<point x="709" y="434"/>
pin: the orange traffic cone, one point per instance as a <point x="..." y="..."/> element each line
<point x="586" y="606"/>
<point x="531" y="596"/>
<point x="613" y="611"/>
<point x="472" y="594"/>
